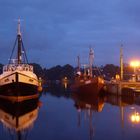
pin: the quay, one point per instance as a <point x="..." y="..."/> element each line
<point x="122" y="87"/>
<point x="119" y="86"/>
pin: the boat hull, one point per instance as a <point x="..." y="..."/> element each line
<point x="93" y="86"/>
<point x="17" y="86"/>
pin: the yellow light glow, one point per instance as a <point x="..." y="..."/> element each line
<point x="132" y="118"/>
<point x="65" y="78"/>
<point x="135" y="118"/>
<point x="134" y="63"/>
<point x="117" y="76"/>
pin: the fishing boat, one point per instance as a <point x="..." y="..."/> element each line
<point x="18" y="74"/>
<point x="90" y="80"/>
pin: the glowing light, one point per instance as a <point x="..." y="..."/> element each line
<point x="134" y="63"/>
<point x="65" y="78"/>
<point x="117" y="76"/>
<point x="65" y="85"/>
<point x="135" y="118"/>
<point x="132" y="118"/>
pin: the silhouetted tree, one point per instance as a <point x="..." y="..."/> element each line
<point x="111" y="70"/>
<point x="68" y="71"/>
<point x="1" y="67"/>
<point x="38" y="70"/>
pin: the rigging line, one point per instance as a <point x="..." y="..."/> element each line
<point x="24" y="51"/>
<point x="99" y="72"/>
<point x="13" y="49"/>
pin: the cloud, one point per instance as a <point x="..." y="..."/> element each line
<point x="67" y="27"/>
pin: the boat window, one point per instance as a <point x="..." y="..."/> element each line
<point x="30" y="68"/>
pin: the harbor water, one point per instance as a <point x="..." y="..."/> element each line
<point x="60" y="115"/>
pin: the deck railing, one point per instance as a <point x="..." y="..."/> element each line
<point x="20" y="67"/>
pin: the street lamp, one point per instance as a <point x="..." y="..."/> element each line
<point x="135" y="64"/>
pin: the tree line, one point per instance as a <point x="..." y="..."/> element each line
<point x="59" y="72"/>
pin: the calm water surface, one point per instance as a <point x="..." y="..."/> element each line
<point x="61" y="115"/>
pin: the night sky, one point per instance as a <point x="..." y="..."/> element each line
<point x="56" y="31"/>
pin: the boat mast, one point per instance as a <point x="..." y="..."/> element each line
<point x="91" y="57"/>
<point x="121" y="62"/>
<point x="78" y="62"/>
<point x="19" y="57"/>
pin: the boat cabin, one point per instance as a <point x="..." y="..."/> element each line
<point x="20" y="67"/>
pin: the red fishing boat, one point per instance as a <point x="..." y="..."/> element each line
<point x="89" y="79"/>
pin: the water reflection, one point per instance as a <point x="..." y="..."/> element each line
<point x="86" y="105"/>
<point x="84" y="116"/>
<point x="18" y="117"/>
<point x="58" y="90"/>
<point x="127" y="102"/>
<point x="135" y="117"/>
<point x="125" y="109"/>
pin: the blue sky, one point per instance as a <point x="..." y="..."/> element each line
<point x="56" y="31"/>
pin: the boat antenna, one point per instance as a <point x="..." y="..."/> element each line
<point x="91" y="58"/>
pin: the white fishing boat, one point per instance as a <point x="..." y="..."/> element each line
<point x="18" y="74"/>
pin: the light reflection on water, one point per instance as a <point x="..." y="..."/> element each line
<point x="65" y="115"/>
